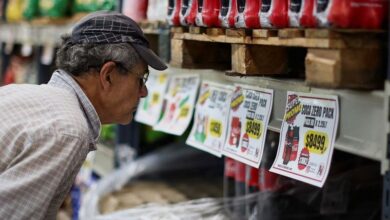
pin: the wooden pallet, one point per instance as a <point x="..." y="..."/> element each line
<point x="328" y="58"/>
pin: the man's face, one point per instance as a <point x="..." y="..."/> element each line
<point x="125" y="94"/>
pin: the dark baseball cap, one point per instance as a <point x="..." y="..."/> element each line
<point x="107" y="27"/>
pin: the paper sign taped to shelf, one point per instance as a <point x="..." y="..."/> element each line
<point x="150" y="107"/>
<point x="211" y="118"/>
<point x="307" y="137"/>
<point x="178" y="104"/>
<point x="250" y="110"/>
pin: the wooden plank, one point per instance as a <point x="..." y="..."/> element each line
<point x="345" y="68"/>
<point x="191" y="54"/>
<point x="291" y="33"/>
<point x="238" y="32"/>
<point x="264" y="33"/>
<point x="179" y="29"/>
<point x="259" y="60"/>
<point x="215" y="31"/>
<point x="321" y="33"/>
<point x="196" y="30"/>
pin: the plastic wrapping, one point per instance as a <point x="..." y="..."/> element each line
<point x="53" y="8"/>
<point x="274" y="14"/>
<point x="94" y="5"/>
<point x="174" y="7"/>
<point x="248" y="14"/>
<point x="135" y="9"/>
<point x="228" y="13"/>
<point x="188" y="12"/>
<point x="352" y="191"/>
<point x="369" y="14"/>
<point x="171" y="159"/>
<point x="301" y="13"/>
<point x="14" y="10"/>
<point x="31" y="9"/>
<point x="157" y="10"/>
<point x="208" y="13"/>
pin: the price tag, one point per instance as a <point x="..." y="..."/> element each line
<point x="179" y="104"/>
<point x="307" y="137"/>
<point x="211" y="118"/>
<point x="150" y="107"/>
<point x="250" y="109"/>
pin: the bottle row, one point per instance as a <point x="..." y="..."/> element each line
<point x="366" y="14"/>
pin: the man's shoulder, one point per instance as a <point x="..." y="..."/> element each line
<point x="45" y="107"/>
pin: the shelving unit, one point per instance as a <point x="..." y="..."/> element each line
<point x="364" y="124"/>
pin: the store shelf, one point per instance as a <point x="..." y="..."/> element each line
<point x="362" y="126"/>
<point x="284" y="37"/>
<point x="25" y="33"/>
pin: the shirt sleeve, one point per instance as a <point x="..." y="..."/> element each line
<point x="31" y="183"/>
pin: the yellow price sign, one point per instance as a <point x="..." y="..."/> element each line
<point x="254" y="128"/>
<point x="162" y="78"/>
<point x="155" y="98"/>
<point x="215" y="128"/>
<point x="184" y="111"/>
<point x="316" y="142"/>
<point x="203" y="97"/>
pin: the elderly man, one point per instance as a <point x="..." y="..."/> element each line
<point x="46" y="131"/>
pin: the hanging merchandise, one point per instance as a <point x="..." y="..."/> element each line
<point x="94" y="5"/>
<point x="150" y="107"/>
<point x="307" y="137"/>
<point x="300" y="13"/>
<point x="135" y="9"/>
<point x="274" y="14"/>
<point x="248" y="14"/>
<point x="157" y="10"/>
<point x="53" y="8"/>
<point x="228" y="13"/>
<point x="174" y="7"/>
<point x="211" y="117"/>
<point x="250" y="110"/>
<point x="208" y="13"/>
<point x="14" y="10"/>
<point x="188" y="12"/>
<point x="369" y="14"/>
<point x="178" y="104"/>
<point x="31" y="9"/>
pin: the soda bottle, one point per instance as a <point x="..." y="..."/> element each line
<point x="274" y="14"/>
<point x="208" y="13"/>
<point x="248" y="14"/>
<point x="188" y="12"/>
<point x="174" y="7"/>
<point x="228" y="13"/>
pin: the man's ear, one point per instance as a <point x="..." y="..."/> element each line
<point x="106" y="74"/>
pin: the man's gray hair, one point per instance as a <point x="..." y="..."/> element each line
<point x="78" y="59"/>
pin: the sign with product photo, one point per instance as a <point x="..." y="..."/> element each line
<point x="250" y="110"/>
<point x="150" y="107"/>
<point x="178" y="104"/>
<point x="307" y="137"/>
<point x="211" y="117"/>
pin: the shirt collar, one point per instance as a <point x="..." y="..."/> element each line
<point x="63" y="80"/>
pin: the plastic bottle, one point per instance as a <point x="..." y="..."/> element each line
<point x="274" y="14"/>
<point x="228" y="13"/>
<point x="248" y="14"/>
<point x="208" y="13"/>
<point x="174" y="7"/>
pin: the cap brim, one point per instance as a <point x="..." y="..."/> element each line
<point x="150" y="57"/>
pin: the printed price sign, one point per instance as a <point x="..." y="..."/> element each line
<point x="211" y="118"/>
<point x="149" y="108"/>
<point x="307" y="137"/>
<point x="250" y="109"/>
<point x="178" y="104"/>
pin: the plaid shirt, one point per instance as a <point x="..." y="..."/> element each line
<point x="46" y="131"/>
